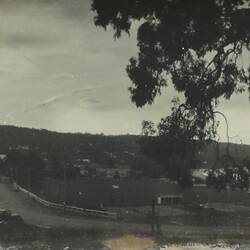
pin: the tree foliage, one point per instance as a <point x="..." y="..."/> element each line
<point x="173" y="143"/>
<point x="231" y="176"/>
<point x="195" y="45"/>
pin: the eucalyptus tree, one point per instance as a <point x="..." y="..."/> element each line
<point x="196" y="46"/>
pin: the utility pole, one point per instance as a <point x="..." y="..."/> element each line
<point x="155" y="223"/>
<point x="153" y="216"/>
<point x="64" y="187"/>
<point x="29" y="180"/>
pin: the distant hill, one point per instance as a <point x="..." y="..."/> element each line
<point x="69" y="145"/>
<point x="102" y="149"/>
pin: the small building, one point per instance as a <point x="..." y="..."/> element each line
<point x="22" y="147"/>
<point x="113" y="173"/>
<point x="117" y="173"/>
<point x="82" y="162"/>
<point x="169" y="199"/>
<point x="84" y="172"/>
<point x="200" y="175"/>
<point x="83" y="165"/>
<point x="3" y="157"/>
<point x="86" y="161"/>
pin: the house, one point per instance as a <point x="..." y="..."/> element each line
<point x="113" y="172"/>
<point x="82" y="165"/>
<point x="22" y="147"/>
<point x="3" y="157"/>
<point x="84" y="171"/>
<point x="86" y="161"/>
<point x="200" y="174"/>
<point x="82" y="162"/>
<point x="117" y="173"/>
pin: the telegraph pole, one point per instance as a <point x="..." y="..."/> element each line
<point x="64" y="187"/>
<point x="155" y="222"/>
<point x="153" y="216"/>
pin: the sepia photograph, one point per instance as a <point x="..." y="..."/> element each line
<point x="124" y="124"/>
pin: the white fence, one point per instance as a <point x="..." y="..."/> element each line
<point x="73" y="209"/>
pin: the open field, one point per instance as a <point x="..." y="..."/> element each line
<point x="93" y="193"/>
<point x="204" y="195"/>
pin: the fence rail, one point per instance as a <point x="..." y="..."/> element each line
<point x="84" y="211"/>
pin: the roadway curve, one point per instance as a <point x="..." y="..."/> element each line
<point x="35" y="214"/>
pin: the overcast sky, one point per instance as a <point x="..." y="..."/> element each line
<point x="60" y="72"/>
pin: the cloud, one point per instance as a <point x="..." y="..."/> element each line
<point x="74" y="9"/>
<point x="27" y="39"/>
<point x="62" y="76"/>
<point x="92" y="101"/>
<point x="70" y="8"/>
<point x="47" y="102"/>
<point x="40" y="24"/>
<point x="85" y="89"/>
<point x="53" y="99"/>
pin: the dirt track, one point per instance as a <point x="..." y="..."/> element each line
<point x="36" y="214"/>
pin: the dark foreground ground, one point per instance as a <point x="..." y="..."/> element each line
<point x="184" y="223"/>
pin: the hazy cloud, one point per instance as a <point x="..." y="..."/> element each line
<point x="48" y="101"/>
<point x="81" y="90"/>
<point x="53" y="99"/>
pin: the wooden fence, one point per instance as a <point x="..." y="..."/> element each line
<point x="84" y="211"/>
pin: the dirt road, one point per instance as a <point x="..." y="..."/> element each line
<point x="36" y="214"/>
